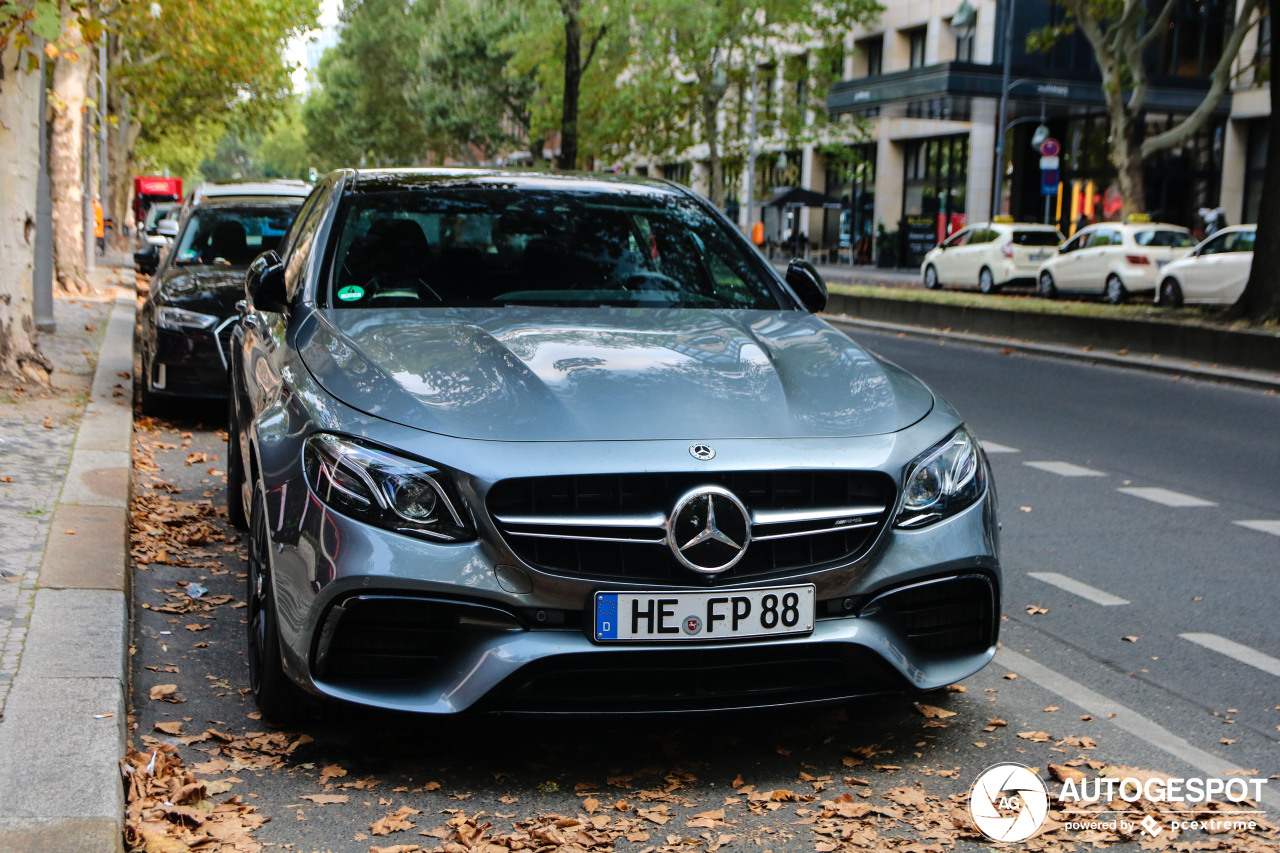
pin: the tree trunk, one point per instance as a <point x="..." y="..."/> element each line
<point x="1260" y="300"/>
<point x="20" y="356"/>
<point x="710" y="103"/>
<point x="124" y="132"/>
<point x="66" y="158"/>
<point x="571" y="9"/>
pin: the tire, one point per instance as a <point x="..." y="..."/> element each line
<point x="280" y="700"/>
<point x="1045" y="286"/>
<point x="931" y="278"/>
<point x="987" y="282"/>
<point x="144" y="401"/>
<point x="235" y="472"/>
<point x="1115" y="292"/>
<point x="1170" y="294"/>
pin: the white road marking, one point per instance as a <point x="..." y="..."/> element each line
<point x="994" y="447"/>
<point x="1272" y="527"/>
<point x="1075" y="587"/>
<point x="1131" y="721"/>
<point x="1232" y="649"/>
<point x="1165" y="496"/>
<point x="1065" y="469"/>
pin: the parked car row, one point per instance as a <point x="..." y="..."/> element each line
<point x="1110" y="259"/>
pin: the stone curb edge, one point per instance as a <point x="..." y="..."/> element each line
<point x="65" y="725"/>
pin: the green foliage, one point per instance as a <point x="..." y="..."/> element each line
<point x="362" y="110"/>
<point x="468" y="85"/>
<point x="200" y="67"/>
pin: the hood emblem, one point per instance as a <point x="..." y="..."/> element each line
<point x="702" y="451"/>
<point x="709" y="530"/>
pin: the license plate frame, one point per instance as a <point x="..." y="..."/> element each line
<point x="669" y="615"/>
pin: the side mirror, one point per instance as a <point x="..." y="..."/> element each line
<point x="146" y="260"/>
<point x="264" y="283"/>
<point x="167" y="228"/>
<point x="805" y="280"/>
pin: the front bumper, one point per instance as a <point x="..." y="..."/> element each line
<point x="191" y="362"/>
<point x="382" y="619"/>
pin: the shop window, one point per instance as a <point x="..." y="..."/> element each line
<point x="935" y="180"/>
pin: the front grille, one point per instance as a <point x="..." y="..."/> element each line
<point x="612" y="526"/>
<point x="953" y="615"/>
<point x="638" y="681"/>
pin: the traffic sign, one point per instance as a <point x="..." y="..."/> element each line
<point x="1050" y="147"/>
<point x="1048" y="163"/>
<point x="1049" y="182"/>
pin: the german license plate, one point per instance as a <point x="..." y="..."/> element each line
<point x="701" y="616"/>
<point x="1038" y="256"/>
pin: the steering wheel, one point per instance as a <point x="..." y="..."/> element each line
<point x="650" y="280"/>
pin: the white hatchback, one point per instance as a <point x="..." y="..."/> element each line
<point x="1114" y="259"/>
<point x="1216" y="271"/>
<point x="990" y="255"/>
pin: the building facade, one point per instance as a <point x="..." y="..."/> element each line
<point x="911" y="143"/>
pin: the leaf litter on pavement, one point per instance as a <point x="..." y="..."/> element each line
<point x="895" y="802"/>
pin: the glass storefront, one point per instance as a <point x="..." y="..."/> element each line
<point x="933" y="201"/>
<point x="851" y="177"/>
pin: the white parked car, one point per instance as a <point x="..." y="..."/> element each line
<point x="990" y="255"/>
<point x="1114" y="259"/>
<point x="1216" y="271"/>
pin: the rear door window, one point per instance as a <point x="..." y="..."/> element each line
<point x="1036" y="238"/>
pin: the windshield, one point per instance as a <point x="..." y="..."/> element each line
<point x="233" y="236"/>
<point x="1173" y="239"/>
<point x="493" y="246"/>
<point x="156" y="213"/>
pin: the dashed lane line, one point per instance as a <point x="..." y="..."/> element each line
<point x="1103" y="708"/>
<point x="996" y="447"/>
<point x="1272" y="527"/>
<point x="1065" y="469"/>
<point x="1232" y="649"/>
<point x="1166" y="497"/>
<point x="1075" y="587"/>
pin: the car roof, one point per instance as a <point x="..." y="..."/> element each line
<point x="274" y="199"/>
<point x="1029" y="226"/>
<point x="383" y="180"/>
<point x="296" y="189"/>
<point x="1136" y="226"/>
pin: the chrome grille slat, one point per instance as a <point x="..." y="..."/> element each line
<point x="596" y="526"/>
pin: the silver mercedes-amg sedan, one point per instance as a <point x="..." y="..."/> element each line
<point x="530" y="442"/>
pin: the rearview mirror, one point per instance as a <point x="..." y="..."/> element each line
<point x="167" y="228"/>
<point x="264" y="283"/>
<point x="146" y="260"/>
<point x="805" y="280"/>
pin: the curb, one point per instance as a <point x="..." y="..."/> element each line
<point x="65" y="723"/>
<point x="1250" y="358"/>
<point x="1150" y="364"/>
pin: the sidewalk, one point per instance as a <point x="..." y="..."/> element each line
<point x="64" y="479"/>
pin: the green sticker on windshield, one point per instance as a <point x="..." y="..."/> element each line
<point x="351" y="293"/>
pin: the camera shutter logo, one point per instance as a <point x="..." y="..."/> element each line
<point x="1008" y="802"/>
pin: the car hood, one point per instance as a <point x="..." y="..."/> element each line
<point x="555" y="374"/>
<point x="207" y="289"/>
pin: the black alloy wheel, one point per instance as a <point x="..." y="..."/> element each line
<point x="1045" y="287"/>
<point x="278" y="698"/>
<point x="1170" y="294"/>
<point x="987" y="282"/>
<point x="235" y="471"/>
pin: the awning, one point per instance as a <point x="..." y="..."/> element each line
<point x="801" y="197"/>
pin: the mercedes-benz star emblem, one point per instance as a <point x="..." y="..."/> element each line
<point x="709" y="530"/>
<point x="702" y="451"/>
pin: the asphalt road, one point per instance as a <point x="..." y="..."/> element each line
<point x="1161" y="701"/>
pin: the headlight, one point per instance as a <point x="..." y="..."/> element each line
<point x="178" y="319"/>
<point x="384" y="490"/>
<point x="942" y="481"/>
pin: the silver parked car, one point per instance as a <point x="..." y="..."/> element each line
<point x="546" y="443"/>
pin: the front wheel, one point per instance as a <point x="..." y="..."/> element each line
<point x="1115" y="291"/>
<point x="1170" y="294"/>
<point x="987" y="282"/>
<point x="280" y="700"/>
<point x="931" y="279"/>
<point x="1046" y="287"/>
